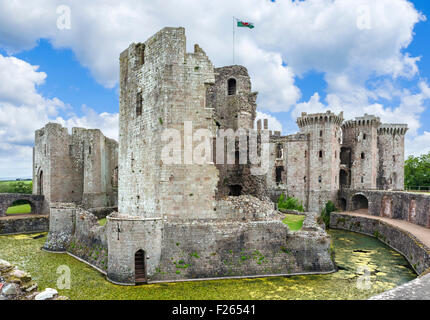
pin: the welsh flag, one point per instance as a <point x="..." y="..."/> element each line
<point x="244" y="24"/>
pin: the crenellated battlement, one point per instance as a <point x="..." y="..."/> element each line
<point x="366" y="120"/>
<point x="393" y="129"/>
<point x="311" y="119"/>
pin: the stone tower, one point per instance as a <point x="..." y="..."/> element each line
<point x="232" y="99"/>
<point x="322" y="157"/>
<point x="391" y="148"/>
<point x="162" y="87"/>
<point x="360" y="139"/>
<point x="77" y="167"/>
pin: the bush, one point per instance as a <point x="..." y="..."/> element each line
<point x="289" y="203"/>
<point x="325" y="213"/>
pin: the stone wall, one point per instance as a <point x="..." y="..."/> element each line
<point x="14" y="225"/>
<point x="414" y="250"/>
<point x="36" y="202"/>
<point x="250" y="242"/>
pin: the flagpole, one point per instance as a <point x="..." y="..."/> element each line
<point x="233" y="40"/>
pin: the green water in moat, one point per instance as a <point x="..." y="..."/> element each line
<point x="354" y="253"/>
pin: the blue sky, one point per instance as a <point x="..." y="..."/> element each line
<point x="302" y="56"/>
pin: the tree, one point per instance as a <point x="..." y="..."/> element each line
<point x="417" y="171"/>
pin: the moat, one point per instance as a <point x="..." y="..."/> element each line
<point x="354" y="253"/>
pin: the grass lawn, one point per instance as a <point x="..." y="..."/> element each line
<point x="102" y="222"/>
<point x="294" y="221"/>
<point x="24" y="208"/>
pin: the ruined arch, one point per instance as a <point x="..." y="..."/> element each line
<point x="359" y="201"/>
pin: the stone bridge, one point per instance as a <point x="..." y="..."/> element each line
<point x="7" y="199"/>
<point x="401" y="205"/>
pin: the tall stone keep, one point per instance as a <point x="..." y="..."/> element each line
<point x="322" y="157"/>
<point x="162" y="87"/>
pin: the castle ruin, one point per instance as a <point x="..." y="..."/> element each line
<point x="181" y="221"/>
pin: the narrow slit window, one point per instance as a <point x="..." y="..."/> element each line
<point x="139" y="102"/>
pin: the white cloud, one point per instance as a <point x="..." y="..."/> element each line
<point x="319" y="35"/>
<point x="273" y="123"/>
<point x="23" y="110"/>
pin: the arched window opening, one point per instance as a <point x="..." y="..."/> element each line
<point x="320" y="154"/>
<point x="364" y="136"/>
<point x="363" y="155"/>
<point x="231" y="87"/>
<point x="319" y="179"/>
<point x="321" y="133"/>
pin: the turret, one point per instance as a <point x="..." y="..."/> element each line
<point x="323" y="156"/>
<point x="391" y="145"/>
<point x="360" y="139"/>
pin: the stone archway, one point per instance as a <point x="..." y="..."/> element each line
<point x="19" y="206"/>
<point x="360" y="202"/>
<point x="140" y="267"/>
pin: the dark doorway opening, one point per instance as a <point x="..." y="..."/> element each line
<point x="342" y="202"/>
<point x="278" y="172"/>
<point x="235" y="190"/>
<point x="231" y="83"/>
<point x="40" y="184"/>
<point x="140" y="267"/>
<point x="343" y="179"/>
<point x="360" y="202"/>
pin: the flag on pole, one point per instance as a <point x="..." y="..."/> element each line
<point x="244" y="24"/>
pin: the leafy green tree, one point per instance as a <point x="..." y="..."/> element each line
<point x="289" y="203"/>
<point x="21" y="187"/>
<point x="417" y="171"/>
<point x="325" y="213"/>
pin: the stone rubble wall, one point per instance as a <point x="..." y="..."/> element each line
<point x="15" y="225"/>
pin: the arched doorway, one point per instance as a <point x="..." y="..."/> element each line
<point x="40" y="184"/>
<point x="360" y="202"/>
<point x="140" y="267"/>
<point x="20" y="207"/>
<point x="278" y="174"/>
<point x="342" y="203"/>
